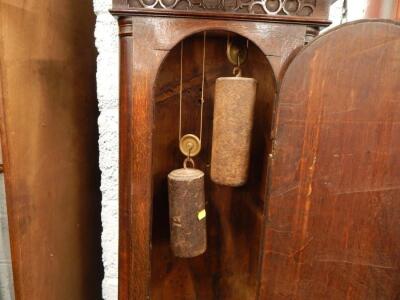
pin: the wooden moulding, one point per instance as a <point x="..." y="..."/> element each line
<point x="309" y="11"/>
<point x="210" y="15"/>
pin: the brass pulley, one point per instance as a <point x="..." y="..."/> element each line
<point x="190" y="145"/>
<point x="236" y="50"/>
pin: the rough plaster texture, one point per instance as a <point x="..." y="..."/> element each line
<point x="336" y="13"/>
<point x="106" y="34"/>
<point x="6" y="280"/>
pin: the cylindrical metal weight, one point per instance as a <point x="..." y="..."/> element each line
<point x="233" y="122"/>
<point x="187" y="213"/>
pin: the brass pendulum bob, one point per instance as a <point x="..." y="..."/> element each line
<point x="232" y="127"/>
<point x="186" y="197"/>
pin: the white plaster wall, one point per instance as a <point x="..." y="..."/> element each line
<point x="6" y="279"/>
<point x="336" y="13"/>
<point x="106" y="34"/>
<point x="356" y="9"/>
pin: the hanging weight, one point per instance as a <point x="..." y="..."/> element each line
<point x="233" y="122"/>
<point x="186" y="188"/>
<point x="187" y="212"/>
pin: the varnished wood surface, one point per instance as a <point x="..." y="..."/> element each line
<point x="333" y="218"/>
<point x="381" y="9"/>
<point x="229" y="268"/>
<point x="154" y="38"/>
<point x="372" y="9"/>
<point x="49" y="137"/>
<point x="125" y="116"/>
<point x="396" y="13"/>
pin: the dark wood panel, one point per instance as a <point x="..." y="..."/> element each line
<point x="125" y="95"/>
<point x="230" y="267"/>
<point x="49" y="136"/>
<point x="152" y="40"/>
<point x="333" y="227"/>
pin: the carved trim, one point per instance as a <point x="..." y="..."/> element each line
<point x="125" y="27"/>
<point x="311" y="33"/>
<point x="266" y="7"/>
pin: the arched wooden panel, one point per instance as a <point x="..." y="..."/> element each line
<point x="229" y="269"/>
<point x="145" y="43"/>
<point x="333" y="228"/>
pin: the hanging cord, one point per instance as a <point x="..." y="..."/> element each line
<point x="237" y="70"/>
<point x="228" y="40"/>
<point x="202" y="89"/>
<point x="180" y="94"/>
<point x="202" y="85"/>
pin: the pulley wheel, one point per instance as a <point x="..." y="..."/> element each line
<point x="190" y="145"/>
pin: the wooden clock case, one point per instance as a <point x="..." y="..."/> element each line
<point x="259" y="235"/>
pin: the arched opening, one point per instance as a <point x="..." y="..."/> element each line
<point x="230" y="267"/>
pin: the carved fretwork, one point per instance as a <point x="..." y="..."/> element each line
<point x="266" y="7"/>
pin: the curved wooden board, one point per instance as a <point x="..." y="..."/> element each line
<point x="49" y="137"/>
<point x="333" y="226"/>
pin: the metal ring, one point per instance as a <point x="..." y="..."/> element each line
<point x="237" y="71"/>
<point x="188" y="159"/>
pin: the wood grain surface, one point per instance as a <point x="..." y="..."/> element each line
<point x="49" y="136"/>
<point x="381" y="9"/>
<point x="333" y="218"/>
<point x="230" y="267"/>
<point x="148" y="152"/>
